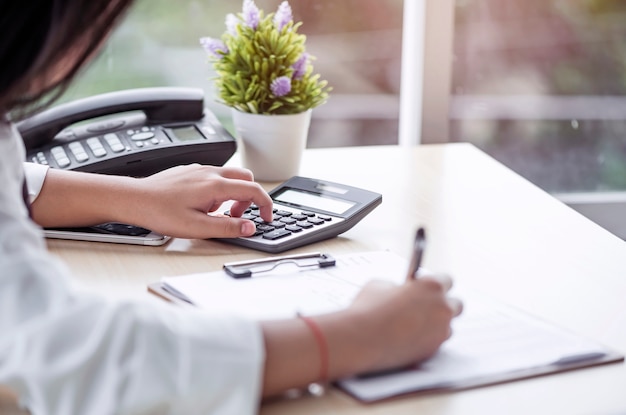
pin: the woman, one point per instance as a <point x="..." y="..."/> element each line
<point x="72" y="353"/>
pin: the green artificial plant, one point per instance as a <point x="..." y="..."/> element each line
<point x="261" y="63"/>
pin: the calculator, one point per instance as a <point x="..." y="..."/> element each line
<point x="306" y="211"/>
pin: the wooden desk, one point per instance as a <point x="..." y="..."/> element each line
<point x="487" y="226"/>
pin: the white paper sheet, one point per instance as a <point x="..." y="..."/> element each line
<point x="491" y="341"/>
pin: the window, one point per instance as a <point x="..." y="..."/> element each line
<point x="357" y="45"/>
<point x="541" y="86"/>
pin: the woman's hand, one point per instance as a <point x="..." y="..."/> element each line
<point x="174" y="202"/>
<point x="404" y="324"/>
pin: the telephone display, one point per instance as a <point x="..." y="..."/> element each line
<point x="135" y="132"/>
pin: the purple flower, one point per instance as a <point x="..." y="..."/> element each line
<point x="281" y="86"/>
<point x="231" y="24"/>
<point x="299" y="67"/>
<point x="251" y="14"/>
<point x="214" y="47"/>
<point x="283" y="16"/>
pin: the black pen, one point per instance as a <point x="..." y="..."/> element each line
<point x="418" y="252"/>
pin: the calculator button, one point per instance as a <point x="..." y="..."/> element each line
<point x="278" y="233"/>
<point x="299" y="217"/>
<point x="259" y="220"/>
<point x="304" y="224"/>
<point x="324" y="217"/>
<point x="288" y="221"/>
<point x="309" y="214"/>
<point x="277" y="224"/>
<point x="315" y="221"/>
<point x="284" y="213"/>
<point x="265" y="228"/>
<point x="293" y="228"/>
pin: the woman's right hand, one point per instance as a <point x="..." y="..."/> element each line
<point x="387" y="326"/>
<point x="403" y="324"/>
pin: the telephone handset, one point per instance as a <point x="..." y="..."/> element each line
<point x="135" y="132"/>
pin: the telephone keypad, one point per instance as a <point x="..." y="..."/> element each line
<point x="40" y="158"/>
<point x="96" y="147"/>
<point x="78" y="151"/>
<point x="75" y="152"/>
<point x="114" y="142"/>
<point x="144" y="135"/>
<point x="60" y="156"/>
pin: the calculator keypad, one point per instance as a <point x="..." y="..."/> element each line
<point x="288" y="222"/>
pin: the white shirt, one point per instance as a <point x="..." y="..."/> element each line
<point x="35" y="176"/>
<point x="65" y="352"/>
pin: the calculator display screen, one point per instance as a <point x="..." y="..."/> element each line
<point x="316" y="201"/>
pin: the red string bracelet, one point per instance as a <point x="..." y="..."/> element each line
<point x="322" y="345"/>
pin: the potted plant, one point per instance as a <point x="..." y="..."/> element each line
<point x="265" y="75"/>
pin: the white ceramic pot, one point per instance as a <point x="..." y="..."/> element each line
<point x="271" y="145"/>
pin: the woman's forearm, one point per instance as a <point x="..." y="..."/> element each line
<point x="80" y="199"/>
<point x="175" y="202"/>
<point x="294" y="356"/>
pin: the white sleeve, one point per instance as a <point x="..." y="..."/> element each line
<point x="65" y="352"/>
<point x="35" y="175"/>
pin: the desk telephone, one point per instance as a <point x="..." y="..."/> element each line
<point x="136" y="132"/>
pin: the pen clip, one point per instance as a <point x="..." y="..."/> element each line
<point x="245" y="269"/>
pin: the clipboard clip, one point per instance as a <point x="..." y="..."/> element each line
<point x="245" y="269"/>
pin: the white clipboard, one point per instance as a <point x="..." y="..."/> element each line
<point x="491" y="343"/>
